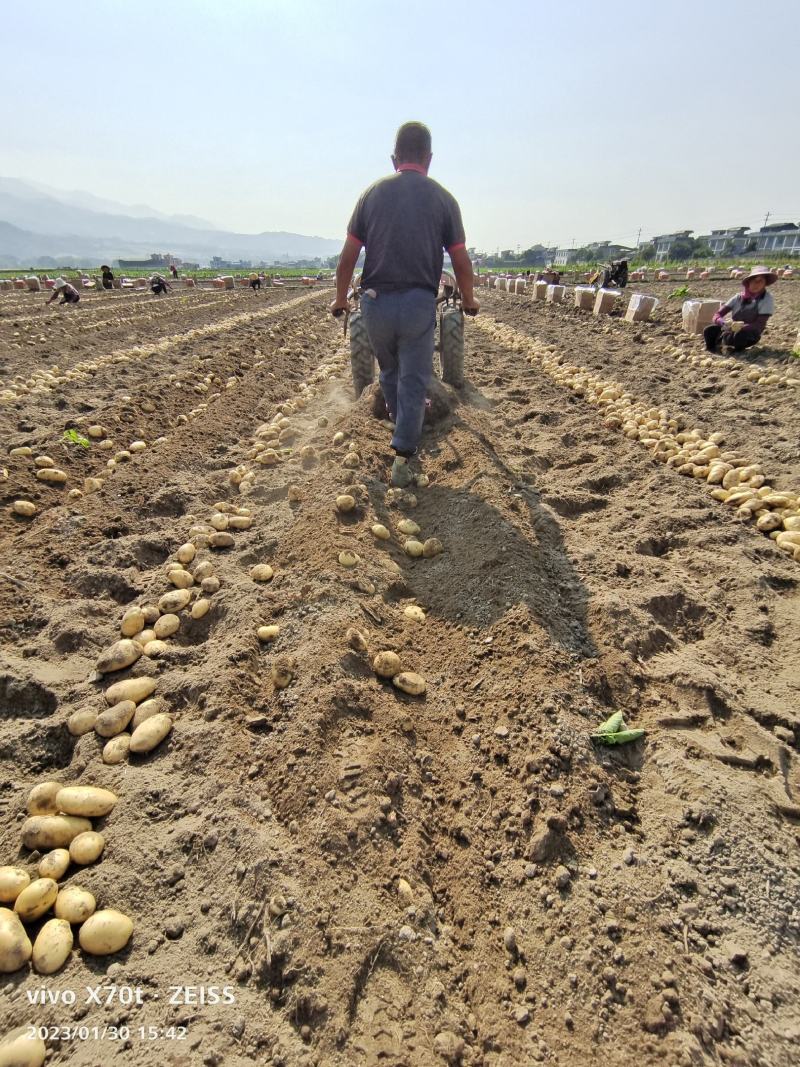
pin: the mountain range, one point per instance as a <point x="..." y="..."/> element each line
<point x="39" y="223"/>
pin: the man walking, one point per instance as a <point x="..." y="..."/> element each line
<point x="404" y="222"/>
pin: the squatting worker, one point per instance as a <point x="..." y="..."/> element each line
<point x="749" y="311"/>
<point x="404" y="221"/>
<point x="68" y="293"/>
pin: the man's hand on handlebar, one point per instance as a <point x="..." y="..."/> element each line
<point x="470" y="307"/>
<point x="338" y="307"/>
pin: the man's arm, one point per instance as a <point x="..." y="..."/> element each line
<point x="344" y="273"/>
<point x="462" y="267"/>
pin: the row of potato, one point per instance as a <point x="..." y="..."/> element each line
<point x="59" y="825"/>
<point x="757" y="375"/>
<point x="730" y="477"/>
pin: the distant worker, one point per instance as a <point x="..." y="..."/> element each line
<point x="108" y="277"/>
<point x="255" y="282"/>
<point x="159" y="285"/>
<point x="404" y="221"/>
<point x="174" y="271"/>
<point x="68" y="293"/>
<point x="749" y="310"/>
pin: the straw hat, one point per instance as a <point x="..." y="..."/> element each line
<point x="768" y="275"/>
<point x="60" y="283"/>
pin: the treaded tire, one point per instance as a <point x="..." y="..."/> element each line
<point x="452" y="347"/>
<point x="362" y="358"/>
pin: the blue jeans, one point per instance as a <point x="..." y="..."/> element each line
<point x="401" y="328"/>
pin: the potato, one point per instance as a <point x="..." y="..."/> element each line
<point x="408" y="527"/>
<point x="15" y="947"/>
<point x="413" y="548"/>
<point x="282" y="672"/>
<point x="219" y="521"/>
<point x="135" y="689"/>
<point x="345" y="502"/>
<point x="268" y="633"/>
<point x="22" y="451"/>
<point x="203" y="570"/>
<point x="186" y="553"/>
<point x="52" y="475"/>
<point x="409" y="682"/>
<point x="24" y="507"/>
<point x="351" y="460"/>
<point x="154" y="649"/>
<point x="87" y="848"/>
<point x="116" y="750"/>
<point x="349" y="559"/>
<point x="432" y="547"/>
<point x="132" y="622"/>
<point x="181" y="579"/>
<point x="52" y="947"/>
<point x="55" y="864"/>
<point x="96" y="431"/>
<point x="88" y="800"/>
<point x="42" y="799"/>
<point x="19" y="1048"/>
<point x="339" y="438"/>
<point x="82" y="722"/>
<point x="415" y="613"/>
<point x="147" y="710"/>
<point x="151" y="733"/>
<point x="387" y="664"/>
<point x="36" y="898"/>
<point x="113" y="721"/>
<point x="172" y="603"/>
<point x="105" y="932"/>
<point x="210" y="585"/>
<point x="262" y="572"/>
<point x="120" y="655"/>
<point x="166" y="626"/>
<point x="200" y="608"/>
<point x="44" y="832"/>
<point x="221" y="540"/>
<point x="74" y="904"/>
<point x="380" y="531"/>
<point x="151" y="613"/>
<point x="12" y="881"/>
<point x="240" y="522"/>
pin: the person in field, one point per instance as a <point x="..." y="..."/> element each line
<point x="108" y="277"/>
<point x="255" y="282"/>
<point x="159" y="285"/>
<point x="404" y="222"/>
<point x="749" y="311"/>
<point x="68" y="293"/>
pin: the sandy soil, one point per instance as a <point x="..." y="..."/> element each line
<point x="378" y="878"/>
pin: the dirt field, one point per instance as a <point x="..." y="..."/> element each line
<point x="376" y="878"/>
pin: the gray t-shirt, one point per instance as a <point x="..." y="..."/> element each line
<point x="750" y="311"/>
<point x="405" y="221"/>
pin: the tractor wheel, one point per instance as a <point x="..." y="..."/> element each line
<point x="362" y="359"/>
<point x="451" y="348"/>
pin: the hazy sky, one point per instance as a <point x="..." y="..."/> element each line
<point x="551" y="121"/>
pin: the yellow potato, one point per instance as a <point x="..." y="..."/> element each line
<point x="172" y="603"/>
<point x="105" y="932"/>
<point x="116" y="750"/>
<point x="339" y="438"/>
<point x="408" y="527"/>
<point x="432" y="547"/>
<point x="351" y="460"/>
<point x="221" y="540"/>
<point x="87" y="848"/>
<point x="166" y="626"/>
<point x="416" y="614"/>
<point x="345" y="503"/>
<point x="52" y="946"/>
<point x="52" y="475"/>
<point x="387" y="664"/>
<point x="82" y="722"/>
<point x="380" y="531"/>
<point x="219" y="521"/>
<point x="210" y="585"/>
<point x="186" y="553"/>
<point x="240" y="522"/>
<point x="413" y="548"/>
<point x="45" y="832"/>
<point x="42" y="799"/>
<point x="200" y="608"/>
<point x="181" y="579"/>
<point x="88" y="800"/>
<point x="150" y="733"/>
<point x="21" y="1047"/>
<point x="36" y="898"/>
<point x="154" y="649"/>
<point x="262" y="572"/>
<point x="132" y="622"/>
<point x="15" y="947"/>
<point x="203" y="570"/>
<point x="55" y="864"/>
<point x="74" y="904"/>
<point x="349" y="559"/>
<point x="268" y="633"/>
<point x="146" y="710"/>
<point x="410" y="682"/>
<point x="113" y="721"/>
<point x="12" y="881"/>
<point x="120" y="655"/>
<point x="24" y="508"/>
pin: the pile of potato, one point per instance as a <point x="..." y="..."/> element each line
<point x="59" y="828"/>
<point x="732" y="366"/>
<point x="729" y="476"/>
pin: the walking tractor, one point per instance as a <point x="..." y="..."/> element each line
<point x="449" y="344"/>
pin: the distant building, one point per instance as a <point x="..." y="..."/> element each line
<point x="781" y="238"/>
<point x="563" y="256"/>
<point x="664" y="242"/>
<point x="157" y="261"/>
<point x="732" y="241"/>
<point x="225" y="264"/>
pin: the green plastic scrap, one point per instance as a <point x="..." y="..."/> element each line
<point x="613" y="724"/>
<point x="619" y="737"/>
